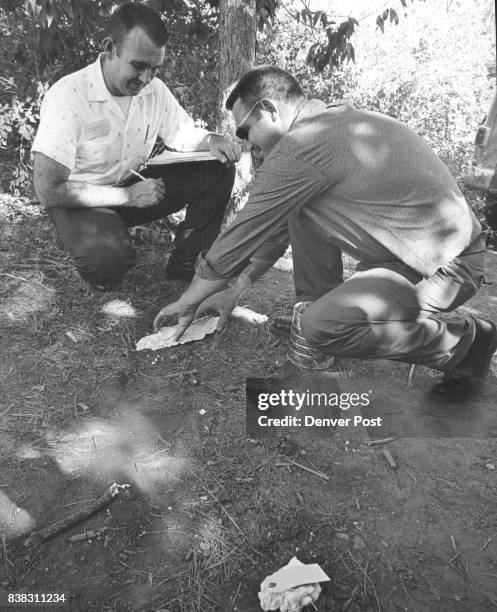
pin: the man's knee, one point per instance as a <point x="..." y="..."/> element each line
<point x="105" y="265"/>
<point x="329" y="326"/>
<point x="227" y="173"/>
<point x="222" y="179"/>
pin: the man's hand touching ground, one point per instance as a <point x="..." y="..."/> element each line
<point x="175" y="314"/>
<point x="146" y="193"/>
<point x="221" y="303"/>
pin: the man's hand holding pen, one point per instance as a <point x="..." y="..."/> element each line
<point x="146" y="192"/>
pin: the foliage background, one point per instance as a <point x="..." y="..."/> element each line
<point x="435" y="70"/>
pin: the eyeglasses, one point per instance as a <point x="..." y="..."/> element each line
<point x="242" y="130"/>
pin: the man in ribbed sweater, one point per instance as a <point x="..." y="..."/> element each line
<point x="335" y="178"/>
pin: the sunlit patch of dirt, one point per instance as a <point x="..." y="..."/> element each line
<point x="13" y="519"/>
<point x="26" y="298"/>
<point x="125" y="446"/>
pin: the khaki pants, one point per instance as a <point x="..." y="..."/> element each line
<point x="386" y="311"/>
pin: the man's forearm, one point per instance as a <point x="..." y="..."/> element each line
<point x="76" y="194"/>
<point x="255" y="269"/>
<point x="200" y="288"/>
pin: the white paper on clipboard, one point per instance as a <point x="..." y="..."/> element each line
<point x="176" y="157"/>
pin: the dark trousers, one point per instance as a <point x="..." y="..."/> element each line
<point x="317" y="263"/>
<point x="98" y="239"/>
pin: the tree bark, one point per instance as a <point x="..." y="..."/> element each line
<point x="237" y="35"/>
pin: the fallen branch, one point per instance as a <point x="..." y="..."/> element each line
<point x="486" y="543"/>
<point x="92" y="534"/>
<point x="390" y="460"/>
<point x="37" y="538"/>
<point x="307" y="469"/>
<point x="410" y="374"/>
<point x="380" y="441"/>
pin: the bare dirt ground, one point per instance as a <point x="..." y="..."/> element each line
<point x="211" y="512"/>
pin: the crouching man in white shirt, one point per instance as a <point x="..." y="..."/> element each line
<point x="100" y="123"/>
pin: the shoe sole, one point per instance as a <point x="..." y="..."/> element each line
<point x="454" y="390"/>
<point x="281" y="327"/>
<point x="473" y="385"/>
<point x="483" y="373"/>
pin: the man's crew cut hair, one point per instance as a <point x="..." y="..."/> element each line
<point x="265" y="82"/>
<point x="130" y="15"/>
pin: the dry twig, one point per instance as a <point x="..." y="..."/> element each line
<point x="390" y="460"/>
<point x="37" y="538"/>
<point x="380" y="441"/>
<point x="307" y="469"/>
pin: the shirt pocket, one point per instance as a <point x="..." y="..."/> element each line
<point x="93" y="154"/>
<point x="142" y="150"/>
<point x="148" y="146"/>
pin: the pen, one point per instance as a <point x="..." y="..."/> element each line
<point x="138" y="174"/>
<point x="146" y="133"/>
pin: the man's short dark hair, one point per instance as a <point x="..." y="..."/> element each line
<point x="265" y="82"/>
<point x="130" y="15"/>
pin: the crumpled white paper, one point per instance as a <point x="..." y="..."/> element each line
<point x="248" y="315"/>
<point x="292" y="587"/>
<point x="164" y="337"/>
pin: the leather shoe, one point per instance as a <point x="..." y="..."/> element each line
<point x="466" y="379"/>
<point x="181" y="265"/>
<point x="453" y="390"/>
<point x="281" y="327"/>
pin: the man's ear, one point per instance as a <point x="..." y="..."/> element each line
<point x="269" y="106"/>
<point x="109" y="48"/>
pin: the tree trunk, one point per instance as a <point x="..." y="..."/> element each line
<point x="237" y="33"/>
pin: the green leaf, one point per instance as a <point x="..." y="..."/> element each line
<point x="26" y="132"/>
<point x="316" y="17"/>
<point x="379" y="24"/>
<point x="310" y="56"/>
<point x="394" y="17"/>
<point x="343" y="28"/>
<point x="311" y="53"/>
<point x="404" y="4"/>
<point x="385" y="14"/>
<point x="67" y="8"/>
<point x="351" y="52"/>
<point x="324" y="19"/>
<point x="50" y="12"/>
<point x="31" y="6"/>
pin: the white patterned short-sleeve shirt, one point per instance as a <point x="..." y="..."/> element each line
<point x="83" y="127"/>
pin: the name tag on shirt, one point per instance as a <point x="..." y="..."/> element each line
<point x="95" y="129"/>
